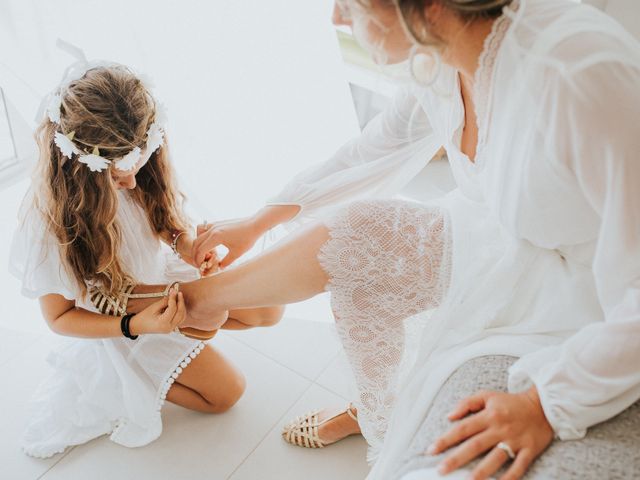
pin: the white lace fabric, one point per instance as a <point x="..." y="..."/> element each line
<point x="386" y="261"/>
<point x="483" y="78"/>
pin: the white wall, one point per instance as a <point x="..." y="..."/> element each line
<point x="255" y="90"/>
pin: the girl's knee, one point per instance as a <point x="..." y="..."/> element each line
<point x="232" y="393"/>
<point x="270" y="316"/>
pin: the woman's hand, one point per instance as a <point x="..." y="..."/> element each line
<point x="514" y="419"/>
<point x="162" y="316"/>
<point x="208" y="266"/>
<point x="239" y="236"/>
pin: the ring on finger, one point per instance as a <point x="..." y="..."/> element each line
<point x="506" y="449"/>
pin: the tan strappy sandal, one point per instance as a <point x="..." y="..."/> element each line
<point x="303" y="431"/>
<point x="117" y="306"/>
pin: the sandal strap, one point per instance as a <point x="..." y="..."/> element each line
<point x="116" y="305"/>
<point x="303" y="431"/>
<point x="164" y="293"/>
<point x="353" y="416"/>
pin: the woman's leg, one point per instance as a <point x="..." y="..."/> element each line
<point x="288" y="272"/>
<point x="382" y="261"/>
<point x="210" y="384"/>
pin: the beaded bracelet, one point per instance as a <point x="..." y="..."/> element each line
<point x="175" y="235"/>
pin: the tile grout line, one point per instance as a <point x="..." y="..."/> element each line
<point x="62" y="457"/>
<point x="269" y="431"/>
<point x="311" y="385"/>
<point x="315" y="382"/>
<point x="282" y="364"/>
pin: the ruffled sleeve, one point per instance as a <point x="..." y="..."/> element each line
<point x="35" y="258"/>
<point x="391" y="150"/>
<point x="595" y="374"/>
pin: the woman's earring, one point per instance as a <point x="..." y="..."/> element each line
<point x="425" y="66"/>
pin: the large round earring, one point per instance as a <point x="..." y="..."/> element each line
<point x="431" y="64"/>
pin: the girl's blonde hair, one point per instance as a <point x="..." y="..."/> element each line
<point x="108" y="108"/>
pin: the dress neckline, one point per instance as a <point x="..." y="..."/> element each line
<point x="483" y="86"/>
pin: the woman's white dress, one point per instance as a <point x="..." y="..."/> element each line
<point x="535" y="254"/>
<point x="114" y="386"/>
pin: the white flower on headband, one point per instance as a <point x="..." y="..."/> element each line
<point x="65" y="144"/>
<point x="129" y="161"/>
<point x="94" y="161"/>
<point x="53" y="109"/>
<point x="155" y="137"/>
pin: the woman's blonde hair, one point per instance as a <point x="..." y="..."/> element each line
<point x="108" y="108"/>
<point x="413" y="14"/>
<point x="418" y="26"/>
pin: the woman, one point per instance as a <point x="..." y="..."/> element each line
<point x="535" y="255"/>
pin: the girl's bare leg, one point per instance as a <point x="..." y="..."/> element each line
<point x="211" y="384"/>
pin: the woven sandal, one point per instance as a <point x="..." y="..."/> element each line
<point x="303" y="431"/>
<point x="117" y="306"/>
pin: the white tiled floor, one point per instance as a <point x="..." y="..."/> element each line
<point x="287" y="369"/>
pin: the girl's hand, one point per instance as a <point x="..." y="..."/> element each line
<point x="239" y="236"/>
<point x="162" y="316"/>
<point x="210" y="265"/>
<point x="517" y="420"/>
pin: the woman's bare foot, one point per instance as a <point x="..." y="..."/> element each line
<point x="200" y="313"/>
<point x="205" y="322"/>
<point x="333" y="425"/>
<point x="339" y="427"/>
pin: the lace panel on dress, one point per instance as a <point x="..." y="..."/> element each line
<point x="386" y="261"/>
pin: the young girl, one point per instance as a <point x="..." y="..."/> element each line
<point x="93" y="225"/>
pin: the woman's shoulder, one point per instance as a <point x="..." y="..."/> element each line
<point x="570" y="36"/>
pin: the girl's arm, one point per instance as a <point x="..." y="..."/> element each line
<point x="65" y="318"/>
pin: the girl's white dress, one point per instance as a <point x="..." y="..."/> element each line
<point x="535" y="254"/>
<point x="114" y="386"/>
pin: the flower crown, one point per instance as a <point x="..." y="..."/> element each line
<point x="96" y="162"/>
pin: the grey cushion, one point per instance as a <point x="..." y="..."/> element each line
<point x="611" y="450"/>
